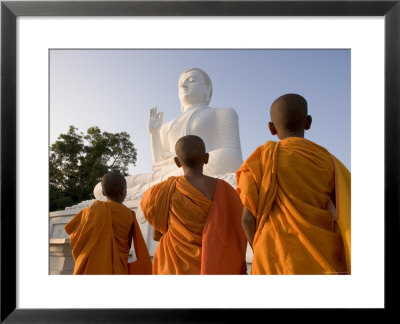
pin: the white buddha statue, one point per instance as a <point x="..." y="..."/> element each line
<point x="218" y="127"/>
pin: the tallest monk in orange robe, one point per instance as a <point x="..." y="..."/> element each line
<point x="196" y="218"/>
<point x="296" y="198"/>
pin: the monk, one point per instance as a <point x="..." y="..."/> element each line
<point x="288" y="189"/>
<point x="195" y="218"/>
<point x="101" y="234"/>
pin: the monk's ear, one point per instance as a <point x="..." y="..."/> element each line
<point x="308" y="122"/>
<point x="272" y="128"/>
<point x="177" y="162"/>
<point x="206" y="157"/>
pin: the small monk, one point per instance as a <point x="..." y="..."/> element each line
<point x="195" y="218"/>
<point x="296" y="198"/>
<point x="101" y="234"/>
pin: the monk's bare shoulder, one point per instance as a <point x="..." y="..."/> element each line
<point x="211" y="180"/>
<point x="211" y="186"/>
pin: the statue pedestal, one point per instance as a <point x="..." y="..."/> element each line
<point x="61" y="260"/>
<point x="60" y="257"/>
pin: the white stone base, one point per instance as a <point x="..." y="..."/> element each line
<point x="61" y="260"/>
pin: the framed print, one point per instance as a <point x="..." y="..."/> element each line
<point x="29" y="29"/>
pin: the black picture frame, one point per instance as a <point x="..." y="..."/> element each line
<point x="10" y="10"/>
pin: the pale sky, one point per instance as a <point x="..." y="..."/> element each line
<point x="114" y="89"/>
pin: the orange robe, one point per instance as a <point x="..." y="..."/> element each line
<point x="142" y="265"/>
<point x="200" y="236"/>
<point x="286" y="185"/>
<point x="101" y="237"/>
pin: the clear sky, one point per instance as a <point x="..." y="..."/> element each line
<point x="114" y="89"/>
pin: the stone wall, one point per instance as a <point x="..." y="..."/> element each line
<point x="60" y="257"/>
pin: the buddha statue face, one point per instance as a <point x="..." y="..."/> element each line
<point x="193" y="88"/>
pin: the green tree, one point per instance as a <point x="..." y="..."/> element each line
<point x="78" y="161"/>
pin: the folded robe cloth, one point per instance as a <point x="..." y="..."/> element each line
<point x="142" y="265"/>
<point x="200" y="236"/>
<point x="287" y="186"/>
<point x="101" y="237"/>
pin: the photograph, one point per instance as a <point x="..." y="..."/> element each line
<point x="124" y="111"/>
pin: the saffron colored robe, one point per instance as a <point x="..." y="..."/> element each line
<point x="286" y="185"/>
<point x="101" y="236"/>
<point x="200" y="236"/>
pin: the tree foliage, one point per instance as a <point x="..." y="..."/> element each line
<point x="78" y="161"/>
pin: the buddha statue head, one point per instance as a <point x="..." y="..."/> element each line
<point x="195" y="87"/>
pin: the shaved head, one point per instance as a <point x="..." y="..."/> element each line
<point x="113" y="184"/>
<point x="289" y="113"/>
<point x="190" y="150"/>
